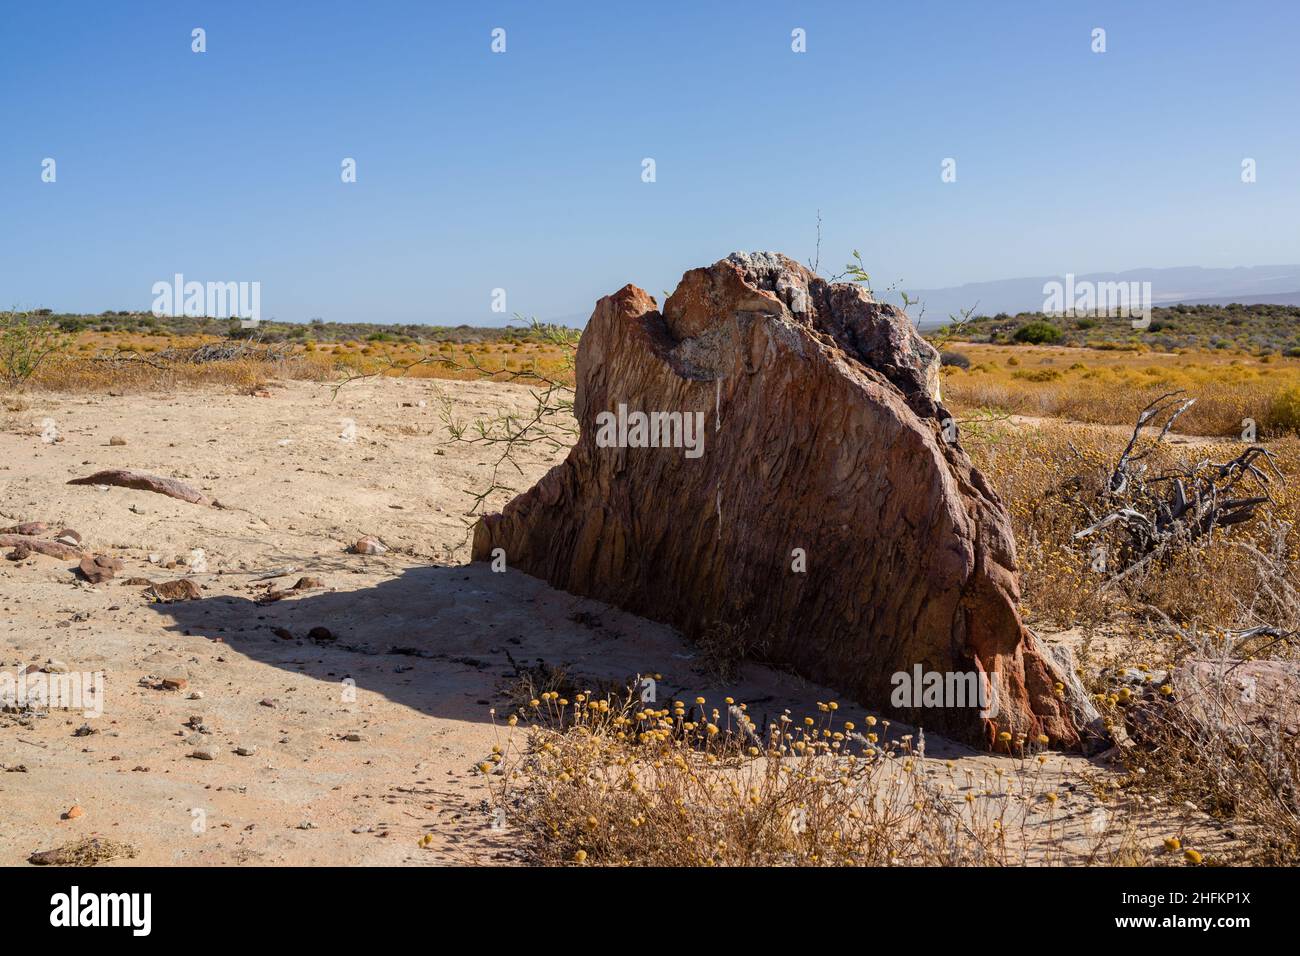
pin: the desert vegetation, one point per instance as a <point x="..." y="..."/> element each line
<point x="1254" y="329"/>
<point x="603" y="777"/>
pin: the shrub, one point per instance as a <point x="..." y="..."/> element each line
<point x="24" y="345"/>
<point x="954" y="359"/>
<point x="1038" y="333"/>
<point x="1284" y="413"/>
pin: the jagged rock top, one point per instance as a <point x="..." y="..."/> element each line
<point x="773" y="286"/>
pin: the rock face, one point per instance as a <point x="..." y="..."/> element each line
<point x="795" y="489"/>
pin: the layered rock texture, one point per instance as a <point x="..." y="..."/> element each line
<point x="828" y="518"/>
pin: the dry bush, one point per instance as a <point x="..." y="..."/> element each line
<point x="27" y="344"/>
<point x="613" y="781"/>
<point x="1048" y="476"/>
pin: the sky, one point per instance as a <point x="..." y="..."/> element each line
<point x="523" y="170"/>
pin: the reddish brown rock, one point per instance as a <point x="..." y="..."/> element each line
<point x="25" y="546"/>
<point x="823" y="448"/>
<point x="99" y="568"/>
<point x="182" y="589"/>
<point x="1240" y="694"/>
<point x="126" y="478"/>
<point x="25" y="528"/>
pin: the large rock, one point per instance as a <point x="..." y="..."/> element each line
<point x="824" y="517"/>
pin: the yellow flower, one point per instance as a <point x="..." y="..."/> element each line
<point x="580" y="856"/>
<point x="1042" y="739"/>
<point x="1004" y="736"/>
<point x="1192" y="857"/>
<point x="1172" y="844"/>
<point x="699" y="700"/>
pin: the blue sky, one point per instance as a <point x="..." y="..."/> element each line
<point x="522" y="170"/>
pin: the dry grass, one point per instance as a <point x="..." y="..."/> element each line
<point x="1193" y="742"/>
<point x="1088" y="385"/>
<point x="618" y="782"/>
<point x="1050" y="475"/>
<point x="1194" y="606"/>
<point x="124" y="361"/>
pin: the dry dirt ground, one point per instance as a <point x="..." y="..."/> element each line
<point x="422" y="642"/>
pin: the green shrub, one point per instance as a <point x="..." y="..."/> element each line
<point x="1038" y="333"/>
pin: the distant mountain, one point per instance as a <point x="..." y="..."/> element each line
<point x="1248" y="285"/>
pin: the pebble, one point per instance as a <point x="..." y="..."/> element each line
<point x="368" y="544"/>
<point x="246" y="751"/>
<point x="73" y="812"/>
<point x="205" y="753"/>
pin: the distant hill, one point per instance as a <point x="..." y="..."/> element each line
<point x="1274" y="285"/>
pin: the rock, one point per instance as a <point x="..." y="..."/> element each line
<point x="99" y="568"/>
<point x="321" y="634"/>
<point x="206" y="752"/>
<point x="117" y="441"/>
<point x="815" y="510"/>
<point x="266" y="702"/>
<point x="136" y="582"/>
<point x="308" y="584"/>
<point x="52" y="549"/>
<point x="73" y="812"/>
<point x="85" y="852"/>
<point x="126" y="478"/>
<point x="182" y="589"/>
<point x="246" y="751"/>
<point x="69" y="537"/>
<point x="85" y="730"/>
<point x="1084" y="715"/>
<point x="194" y="695"/>
<point x="1263" y="695"/>
<point x="354" y="737"/>
<point x="283" y="633"/>
<point x="52" y="666"/>
<point x="173" y="683"/>
<point x="368" y="545"/>
<point x="26" y="528"/>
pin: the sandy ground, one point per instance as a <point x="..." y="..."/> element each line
<point x="421" y="646"/>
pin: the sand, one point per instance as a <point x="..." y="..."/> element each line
<point x="421" y="642"/>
